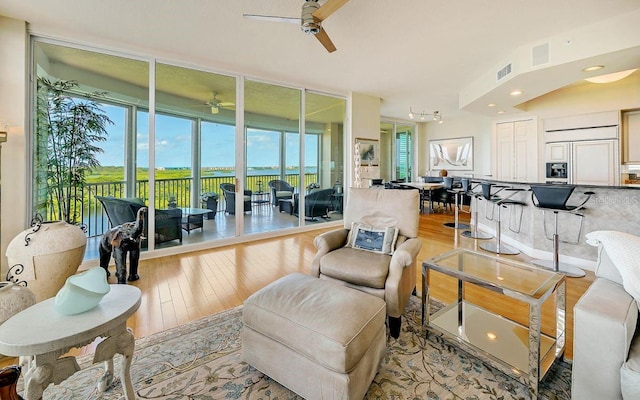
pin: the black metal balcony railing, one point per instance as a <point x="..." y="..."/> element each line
<point x="166" y="191"/>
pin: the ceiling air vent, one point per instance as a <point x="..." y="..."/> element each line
<point x="504" y="72"/>
<point x="540" y="55"/>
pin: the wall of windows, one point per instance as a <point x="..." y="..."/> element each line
<point x="178" y="147"/>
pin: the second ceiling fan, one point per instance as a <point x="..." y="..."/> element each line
<point x="311" y="19"/>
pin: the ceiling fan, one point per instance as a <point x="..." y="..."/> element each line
<point x="216" y="104"/>
<point x="311" y="19"/>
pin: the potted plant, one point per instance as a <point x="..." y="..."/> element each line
<point x="70" y="126"/>
<point x="172" y="202"/>
<point x="210" y="201"/>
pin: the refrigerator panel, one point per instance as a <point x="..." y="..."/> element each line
<point x="594" y="163"/>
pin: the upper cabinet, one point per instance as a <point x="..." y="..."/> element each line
<point x="517" y="151"/>
<point x="631" y="137"/>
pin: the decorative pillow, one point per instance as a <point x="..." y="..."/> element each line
<point x="378" y="240"/>
<point x="624" y="251"/>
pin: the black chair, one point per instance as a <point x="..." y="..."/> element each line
<point x="501" y="202"/>
<point x="229" y="192"/>
<point x="476" y="196"/>
<point x="280" y="190"/>
<point x="554" y="198"/>
<point x="318" y="204"/>
<point x="168" y="221"/>
<point x="458" y="199"/>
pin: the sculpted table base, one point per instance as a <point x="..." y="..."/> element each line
<point x="40" y="336"/>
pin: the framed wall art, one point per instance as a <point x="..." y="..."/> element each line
<point x="369" y="151"/>
<point x="454" y="154"/>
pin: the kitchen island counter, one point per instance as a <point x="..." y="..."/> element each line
<point x="614" y="208"/>
<point x="488" y="178"/>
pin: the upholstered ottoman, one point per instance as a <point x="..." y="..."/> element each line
<point x="319" y="339"/>
<point x="286" y="205"/>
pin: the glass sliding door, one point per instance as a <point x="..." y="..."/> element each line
<point x="324" y="157"/>
<point x="404" y="152"/>
<point x="217" y="171"/>
<point x="387" y="132"/>
<point x="271" y="181"/>
<point x="195" y="171"/>
<point x="396" y="148"/>
<point x="102" y="90"/>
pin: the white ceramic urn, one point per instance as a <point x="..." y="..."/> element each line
<point x="44" y="258"/>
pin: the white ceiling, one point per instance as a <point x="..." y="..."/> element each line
<point x="420" y="53"/>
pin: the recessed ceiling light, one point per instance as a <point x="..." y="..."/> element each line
<point x="616" y="76"/>
<point x="516" y="93"/>
<point x="593" y="68"/>
<point x="491" y="105"/>
<point x="491" y="335"/>
<point x="501" y="112"/>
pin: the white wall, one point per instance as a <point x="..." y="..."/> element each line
<point x="576" y="99"/>
<point x="588" y="98"/>
<point x="477" y="126"/>
<point x="365" y="123"/>
<point x="13" y="210"/>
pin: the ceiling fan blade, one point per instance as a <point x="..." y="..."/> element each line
<point x="326" y="42"/>
<point x="292" y="20"/>
<point x="328" y="8"/>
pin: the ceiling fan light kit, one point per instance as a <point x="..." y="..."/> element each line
<point x="309" y="24"/>
<point x="311" y="19"/>
<point x="216" y="104"/>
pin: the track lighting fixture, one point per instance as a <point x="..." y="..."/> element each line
<point x="436" y="116"/>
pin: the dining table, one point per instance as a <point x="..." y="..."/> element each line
<point x="425" y="187"/>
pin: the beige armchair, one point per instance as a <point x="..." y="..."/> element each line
<point x="389" y="277"/>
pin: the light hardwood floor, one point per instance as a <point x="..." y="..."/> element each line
<point x="181" y="288"/>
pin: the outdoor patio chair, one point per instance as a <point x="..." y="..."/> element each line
<point x="121" y="210"/>
<point x="229" y="191"/>
<point x="280" y="190"/>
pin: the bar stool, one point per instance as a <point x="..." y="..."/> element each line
<point x="501" y="202"/>
<point x="457" y="192"/>
<point x="554" y="198"/>
<point x="475" y="197"/>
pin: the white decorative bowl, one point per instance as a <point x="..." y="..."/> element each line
<point x="82" y="292"/>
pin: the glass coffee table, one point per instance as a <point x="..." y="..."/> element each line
<point x="520" y="351"/>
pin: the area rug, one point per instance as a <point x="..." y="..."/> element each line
<point x="202" y="360"/>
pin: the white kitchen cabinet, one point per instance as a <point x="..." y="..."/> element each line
<point x="631" y="137"/>
<point x="557" y="152"/>
<point x="594" y="162"/>
<point x="517" y="151"/>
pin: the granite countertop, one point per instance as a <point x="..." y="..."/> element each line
<point x="489" y="178"/>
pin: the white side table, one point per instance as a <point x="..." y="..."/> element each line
<point x="39" y="335"/>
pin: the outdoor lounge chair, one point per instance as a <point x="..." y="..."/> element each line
<point x="121" y="210"/>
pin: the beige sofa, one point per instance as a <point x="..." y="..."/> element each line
<point x="606" y="345"/>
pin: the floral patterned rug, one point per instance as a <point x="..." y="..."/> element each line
<point x="202" y="360"/>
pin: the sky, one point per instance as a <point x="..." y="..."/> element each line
<point x="173" y="143"/>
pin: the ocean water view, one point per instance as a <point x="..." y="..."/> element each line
<point x="258" y="171"/>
